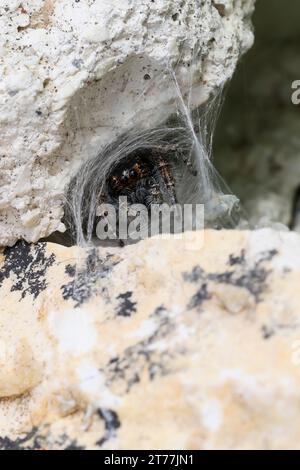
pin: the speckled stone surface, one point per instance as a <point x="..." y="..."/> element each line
<point x="173" y="344"/>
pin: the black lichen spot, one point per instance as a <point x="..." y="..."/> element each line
<point x="126" y="307"/>
<point x="253" y="278"/>
<point x="36" y="440"/>
<point x="143" y="357"/>
<point x="30" y="441"/>
<point x="201" y="295"/>
<point x="84" y="283"/>
<point x="26" y="265"/>
<point x="268" y="255"/>
<point x="66" y="443"/>
<point x="195" y="275"/>
<point x="111" y="424"/>
<point x="74" y="446"/>
<point x="240" y="259"/>
<point x="267" y="332"/>
<point x="70" y="269"/>
<point x="222" y="278"/>
<point x="254" y="281"/>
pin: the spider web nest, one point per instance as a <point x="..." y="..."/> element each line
<point x="191" y="133"/>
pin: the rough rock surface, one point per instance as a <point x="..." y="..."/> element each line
<point x="258" y="148"/>
<point x="76" y="73"/>
<point x="156" y="345"/>
<point x="266" y="173"/>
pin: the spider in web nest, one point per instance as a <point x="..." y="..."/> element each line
<point x="143" y="177"/>
<point x="149" y="168"/>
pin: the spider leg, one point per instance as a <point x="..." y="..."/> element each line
<point x="167" y="177"/>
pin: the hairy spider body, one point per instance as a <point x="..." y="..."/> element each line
<point x="144" y="178"/>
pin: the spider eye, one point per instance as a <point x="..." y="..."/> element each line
<point x="132" y="173"/>
<point x="114" y="180"/>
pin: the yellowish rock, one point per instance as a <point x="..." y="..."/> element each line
<point x="173" y="344"/>
<point x="19" y="368"/>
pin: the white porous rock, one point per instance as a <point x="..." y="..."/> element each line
<point x="75" y="74"/>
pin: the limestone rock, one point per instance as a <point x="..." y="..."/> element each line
<point x="76" y="74"/>
<point x="178" y="344"/>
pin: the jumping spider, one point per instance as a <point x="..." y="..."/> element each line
<point x="143" y="177"/>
